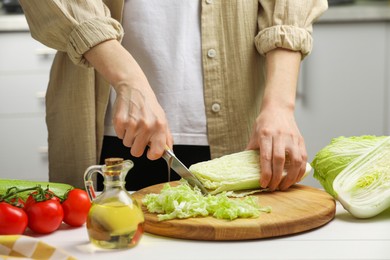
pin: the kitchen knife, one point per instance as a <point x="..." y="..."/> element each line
<point x="176" y="165"/>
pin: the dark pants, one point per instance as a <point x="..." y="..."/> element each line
<point x="146" y="172"/>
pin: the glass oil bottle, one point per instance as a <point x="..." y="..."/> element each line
<point x="115" y="219"/>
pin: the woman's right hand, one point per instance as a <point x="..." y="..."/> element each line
<point x="138" y="118"/>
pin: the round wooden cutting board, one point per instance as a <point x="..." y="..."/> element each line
<point x="298" y="209"/>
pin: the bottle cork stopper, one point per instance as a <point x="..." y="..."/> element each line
<point x="113" y="161"/>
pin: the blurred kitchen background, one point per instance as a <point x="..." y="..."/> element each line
<point x="343" y="88"/>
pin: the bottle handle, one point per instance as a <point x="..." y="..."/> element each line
<point x="89" y="182"/>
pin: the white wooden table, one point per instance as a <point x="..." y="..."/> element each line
<point x="345" y="237"/>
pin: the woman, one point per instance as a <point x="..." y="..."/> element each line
<point x="215" y="77"/>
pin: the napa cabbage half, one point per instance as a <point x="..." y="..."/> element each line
<point x="234" y="172"/>
<point x="356" y="171"/>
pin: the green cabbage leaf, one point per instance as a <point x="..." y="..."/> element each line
<point x="356" y="171"/>
<point x="183" y="201"/>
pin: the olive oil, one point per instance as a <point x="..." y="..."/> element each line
<point x="114" y="225"/>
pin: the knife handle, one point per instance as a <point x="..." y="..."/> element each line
<point x="167" y="148"/>
<point x="168" y="153"/>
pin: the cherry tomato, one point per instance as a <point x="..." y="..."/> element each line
<point x="13" y="220"/>
<point x="76" y="207"/>
<point x="44" y="216"/>
<point x="31" y="199"/>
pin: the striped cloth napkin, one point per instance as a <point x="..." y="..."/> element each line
<point x="25" y="247"/>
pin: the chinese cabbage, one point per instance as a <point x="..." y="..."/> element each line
<point x="337" y="155"/>
<point x="234" y="172"/>
<point x="356" y="171"/>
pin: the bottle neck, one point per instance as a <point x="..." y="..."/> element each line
<point x="114" y="181"/>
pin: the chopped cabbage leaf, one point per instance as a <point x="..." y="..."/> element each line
<point x="183" y="201"/>
<point x="356" y="171"/>
<point x="234" y="172"/>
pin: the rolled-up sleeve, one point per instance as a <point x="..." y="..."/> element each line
<point x="288" y="24"/>
<point x="71" y="26"/>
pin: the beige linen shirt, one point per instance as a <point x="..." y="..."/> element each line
<point x="235" y="36"/>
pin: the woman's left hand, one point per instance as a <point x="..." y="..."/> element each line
<point x="281" y="147"/>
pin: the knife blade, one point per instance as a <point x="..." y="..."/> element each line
<point x="175" y="164"/>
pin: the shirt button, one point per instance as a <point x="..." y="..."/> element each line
<point x="215" y="107"/>
<point x="209" y="2"/>
<point x="211" y="53"/>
